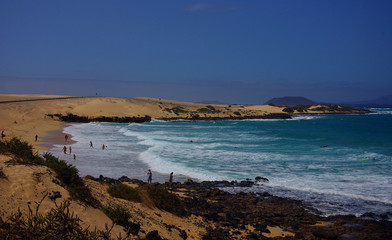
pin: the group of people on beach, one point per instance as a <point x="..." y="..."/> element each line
<point x="70" y="151"/>
<point x="149" y="173"/>
<point x="149" y="177"/>
<point x="70" y="148"/>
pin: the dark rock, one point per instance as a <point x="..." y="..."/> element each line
<point x="355" y="225"/>
<point x="323" y="234"/>
<point x="245" y="184"/>
<point x="153" y="235"/>
<point x="261" y="179"/>
<point x="183" y="234"/>
<point x="75" y="118"/>
<point x="54" y="195"/>
<point x="299" y="235"/>
<point x="124" y="179"/>
<point x="215" y="234"/>
<point x="348" y="237"/>
<point x="188" y="181"/>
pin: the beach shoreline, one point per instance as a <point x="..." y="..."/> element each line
<point x="229" y="213"/>
<point x="54" y="137"/>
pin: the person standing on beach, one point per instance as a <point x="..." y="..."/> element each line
<point x="66" y="137"/>
<point x="149" y="176"/>
<point x="103" y="146"/>
<point x="74" y="157"/>
<point x="70" y="150"/>
<point x="36" y="137"/>
<point x="65" y="149"/>
<point x="91" y="144"/>
<point x="171" y="177"/>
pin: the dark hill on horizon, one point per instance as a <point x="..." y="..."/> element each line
<point x="291" y="101"/>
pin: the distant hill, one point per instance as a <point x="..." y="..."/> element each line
<point x="291" y="101"/>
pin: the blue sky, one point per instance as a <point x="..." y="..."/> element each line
<point x="229" y="51"/>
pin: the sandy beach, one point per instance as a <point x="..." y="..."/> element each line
<point x="26" y="116"/>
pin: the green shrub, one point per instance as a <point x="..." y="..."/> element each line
<point x="165" y="200"/>
<point x="323" y="108"/>
<point x="22" y="152"/>
<point x="120" y="190"/>
<point x="302" y="108"/>
<point x="299" y="108"/>
<point x="176" y="110"/>
<point x="208" y="109"/>
<point x="288" y="109"/>
<point x="68" y="174"/>
<point x="121" y="216"/>
<point x="57" y="224"/>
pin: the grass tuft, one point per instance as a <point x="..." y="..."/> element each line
<point x="121" y="216"/>
<point x="22" y="152"/>
<point x="57" y="224"/>
<point x="120" y="190"/>
<point x="165" y="200"/>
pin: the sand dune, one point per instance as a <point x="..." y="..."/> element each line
<point x="28" y="118"/>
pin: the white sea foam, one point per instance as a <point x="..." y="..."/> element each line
<point x="286" y="152"/>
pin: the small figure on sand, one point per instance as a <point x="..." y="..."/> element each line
<point x="103" y="146"/>
<point x="66" y="137"/>
<point x="70" y="150"/>
<point x="91" y="144"/>
<point x="74" y="157"/>
<point x="36" y="137"/>
<point x="65" y="149"/>
<point x="171" y="177"/>
<point x="2" y="134"/>
<point x="149" y="176"/>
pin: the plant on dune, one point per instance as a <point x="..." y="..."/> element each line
<point x="165" y="200"/>
<point x="120" y="190"/>
<point x="68" y="174"/>
<point x="208" y="109"/>
<point x="58" y="223"/>
<point x="22" y="152"/>
<point x="121" y="216"/>
<point x="159" y="195"/>
<point x="176" y="110"/>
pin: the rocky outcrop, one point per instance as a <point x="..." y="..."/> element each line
<point x="83" y="119"/>
<point x="196" y="117"/>
<point x="251" y="216"/>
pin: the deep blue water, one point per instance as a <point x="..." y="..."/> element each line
<point x="339" y="164"/>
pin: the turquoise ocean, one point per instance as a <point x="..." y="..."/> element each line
<point x="337" y="164"/>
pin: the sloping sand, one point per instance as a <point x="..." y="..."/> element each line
<point x="32" y="186"/>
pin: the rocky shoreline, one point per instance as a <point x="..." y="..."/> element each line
<point x="83" y="119"/>
<point x="232" y="214"/>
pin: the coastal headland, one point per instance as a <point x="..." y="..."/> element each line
<point x="211" y="212"/>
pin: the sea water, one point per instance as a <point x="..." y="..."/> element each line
<point x="338" y="164"/>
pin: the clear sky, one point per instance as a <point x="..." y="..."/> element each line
<point x="228" y="51"/>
